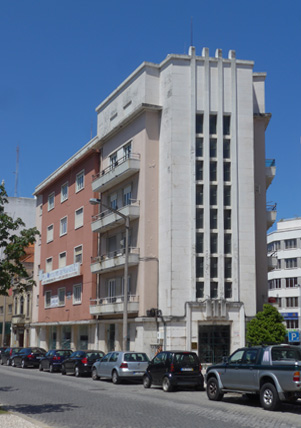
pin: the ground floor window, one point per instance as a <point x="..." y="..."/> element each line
<point x="214" y="343"/>
<point x="111" y="337"/>
<point x="52" y="337"/>
<point x="66" y="337"/>
<point x="83" y="337"/>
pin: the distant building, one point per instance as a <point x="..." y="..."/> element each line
<point x="284" y="250"/>
<point x="180" y="154"/>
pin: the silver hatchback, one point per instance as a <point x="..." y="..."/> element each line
<point x="120" y="365"/>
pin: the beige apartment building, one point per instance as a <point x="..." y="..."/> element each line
<point x="181" y="153"/>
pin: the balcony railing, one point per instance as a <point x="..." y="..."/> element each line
<point x="116" y="172"/>
<point x="113" y="304"/>
<point x="114" y="260"/>
<point x="107" y="219"/>
<point x="270" y="171"/>
<point x="271" y="212"/>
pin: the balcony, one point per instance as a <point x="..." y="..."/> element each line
<point x="113" y="305"/>
<point x="271" y="214"/>
<point x="270" y="171"/>
<point x="114" y="261"/>
<point x="18" y="319"/>
<point x="272" y="263"/>
<point x="107" y="220"/>
<point x="115" y="174"/>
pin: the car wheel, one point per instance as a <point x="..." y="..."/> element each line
<point x="213" y="391"/>
<point x="51" y="368"/>
<point x="40" y="367"/>
<point x="63" y="370"/>
<point x="76" y="371"/>
<point x="269" y="398"/>
<point x="13" y="363"/>
<point x="94" y="374"/>
<point x="115" y="378"/>
<point x="166" y="385"/>
<point x="146" y="382"/>
<point x="8" y="362"/>
<point x="23" y="364"/>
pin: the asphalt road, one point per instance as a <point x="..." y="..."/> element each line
<point x="66" y="401"/>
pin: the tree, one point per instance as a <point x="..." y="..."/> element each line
<point x="13" y="242"/>
<point x="266" y="328"/>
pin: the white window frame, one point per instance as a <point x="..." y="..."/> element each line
<point x="112" y="288"/>
<point x="76" y="300"/>
<point x="50" y="231"/>
<point x="61" y="226"/>
<point x="127" y="150"/>
<point x="64" y="197"/>
<point x="78" y="221"/>
<point x="48" y="264"/>
<point x="51" y="198"/>
<point x="62" y="289"/>
<point x="76" y="254"/>
<point x="48" y="293"/>
<point x="61" y="258"/>
<point x="127" y="195"/>
<point x="113" y="200"/>
<point x="80" y="186"/>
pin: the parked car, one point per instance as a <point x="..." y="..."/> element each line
<point x="2" y="349"/>
<point x="121" y="365"/>
<point x="81" y="362"/>
<point x="52" y="361"/>
<point x="8" y="354"/>
<point x="174" y="368"/>
<point x="28" y="357"/>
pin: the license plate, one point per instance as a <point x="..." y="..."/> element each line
<point x="187" y="369"/>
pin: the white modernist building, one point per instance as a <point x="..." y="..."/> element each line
<point x="284" y="246"/>
<point x="182" y="154"/>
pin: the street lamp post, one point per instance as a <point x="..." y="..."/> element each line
<point x="96" y="201"/>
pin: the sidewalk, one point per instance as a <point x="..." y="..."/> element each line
<point x="12" y="420"/>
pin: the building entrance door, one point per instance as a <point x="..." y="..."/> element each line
<point x="214" y="343"/>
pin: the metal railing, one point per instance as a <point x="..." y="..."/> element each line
<point x="270" y="162"/>
<point x="113" y="254"/>
<point x="109" y="300"/>
<point x="107" y="212"/>
<point x="114" y="165"/>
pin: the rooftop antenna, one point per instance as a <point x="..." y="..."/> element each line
<point x="17" y="173"/>
<point x="191" y="32"/>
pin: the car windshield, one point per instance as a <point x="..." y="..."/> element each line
<point x="136" y="357"/>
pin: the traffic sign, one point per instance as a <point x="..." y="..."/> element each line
<point x="293" y="336"/>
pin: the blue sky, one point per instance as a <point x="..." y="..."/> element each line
<point x="61" y="58"/>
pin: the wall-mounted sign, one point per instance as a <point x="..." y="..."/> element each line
<point x="54" y="302"/>
<point x="61" y="273"/>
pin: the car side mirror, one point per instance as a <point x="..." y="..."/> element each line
<point x="225" y="360"/>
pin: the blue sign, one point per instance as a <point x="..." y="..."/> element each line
<point x="293" y="336"/>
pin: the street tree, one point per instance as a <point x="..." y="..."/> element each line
<point x="14" y="239"/>
<point x="266" y="328"/>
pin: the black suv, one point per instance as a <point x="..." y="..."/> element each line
<point x="174" y="368"/>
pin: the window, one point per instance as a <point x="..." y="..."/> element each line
<point x="78" y="254"/>
<point x="1" y="310"/>
<point x="47" y="299"/>
<point x="62" y="259"/>
<point x="199" y="218"/>
<point x="292" y="323"/>
<point x="127" y="150"/>
<point x="80" y="178"/>
<point x="61" y="296"/>
<point x="28" y="305"/>
<point x="279" y="301"/>
<point x="199" y="124"/>
<point x="290" y="243"/>
<point x="199" y="267"/>
<point x="199" y="290"/>
<point x="50" y="233"/>
<point x="226" y="125"/>
<point x="10" y="309"/>
<point x="228" y="267"/>
<point x="64" y="192"/>
<point x="199" y="195"/>
<point x="199" y="170"/>
<point x="113" y="160"/>
<point x="77" y="294"/>
<point x="127" y="195"/>
<point x="213" y="219"/>
<point x="227" y="195"/>
<point x="227" y="171"/>
<point x="292" y="302"/>
<point x="213" y="290"/>
<point x="227" y="148"/>
<point x="213" y="242"/>
<point x="213" y="195"/>
<point x="16" y="305"/>
<point x="79" y="218"/>
<point x="112" y="288"/>
<point x="291" y="282"/>
<point x="199" y="147"/>
<point x="278" y="264"/>
<point x="49" y="264"/>
<point x="227" y="219"/>
<point x="228" y="290"/>
<point x="199" y="242"/>
<point x="227" y="243"/>
<point x="212" y="124"/>
<point x="214" y="267"/>
<point x="290" y="263"/>
<point x="63" y="226"/>
<point x="213" y="152"/>
<point x="213" y="171"/>
<point x="51" y="201"/>
<point x="113" y="201"/>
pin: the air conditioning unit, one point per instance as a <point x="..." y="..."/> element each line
<point x="160" y="335"/>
